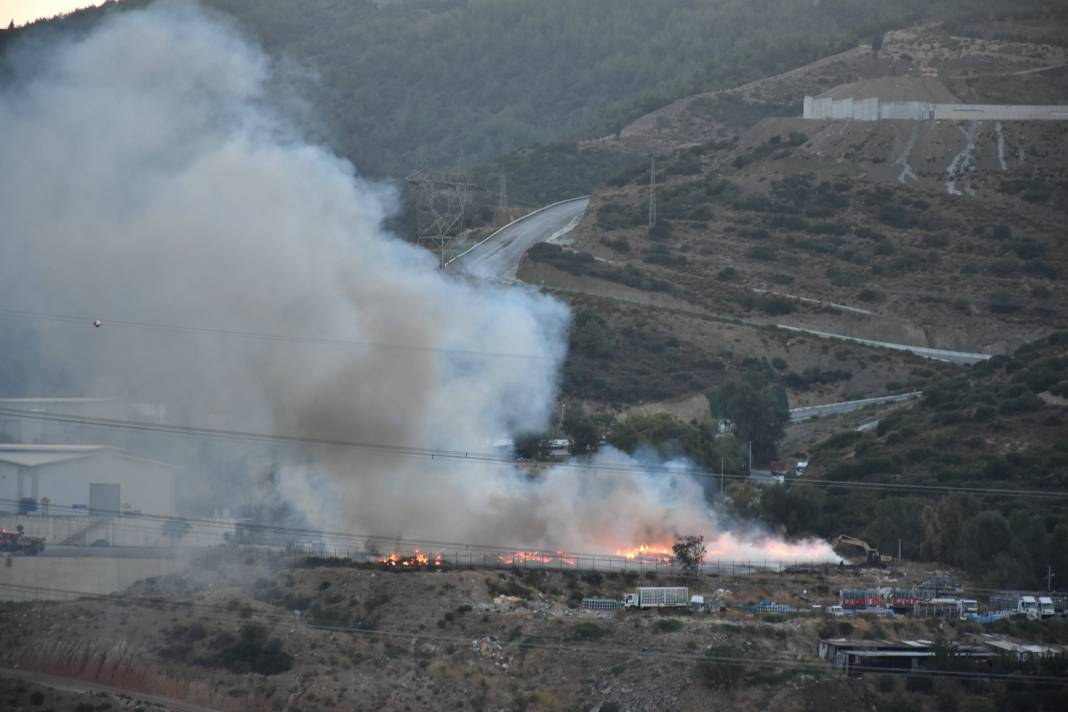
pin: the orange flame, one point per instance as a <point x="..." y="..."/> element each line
<point x="648" y="552"/>
<point x="416" y="560"/>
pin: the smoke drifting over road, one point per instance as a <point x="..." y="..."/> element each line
<point x="144" y="177"/>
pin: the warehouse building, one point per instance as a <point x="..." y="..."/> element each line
<point x="66" y="479"/>
<point x="855" y="657"/>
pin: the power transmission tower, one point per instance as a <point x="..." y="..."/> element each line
<point x="652" y="191"/>
<point x="444" y="197"/>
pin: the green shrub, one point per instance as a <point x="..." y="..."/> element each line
<point x="718" y="669"/>
<point x="775" y="306"/>
<point x="844" y="439"/>
<point x="764" y="253"/>
<point x="587" y="631"/>
<point x="869" y="295"/>
<point x="1004" y="302"/>
<point x="612" y="216"/>
<point x="254" y="651"/>
<point x="660" y="230"/>
<point x="668" y="625"/>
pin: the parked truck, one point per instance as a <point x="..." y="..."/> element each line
<point x="859" y="600"/>
<point x="1028" y="606"/>
<point x="1046" y="608"/>
<point x="658" y="597"/>
<point x="18" y="543"/>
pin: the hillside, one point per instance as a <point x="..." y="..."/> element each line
<point x="241" y="631"/>
<point x="893" y="231"/>
<point x="397" y="81"/>
<point x="997" y="425"/>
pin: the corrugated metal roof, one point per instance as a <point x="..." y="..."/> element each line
<point x="37" y="455"/>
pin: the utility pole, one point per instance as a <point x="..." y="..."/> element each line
<point x="652" y="191"/>
<point x="1049" y="578"/>
<point x="502" y="196"/>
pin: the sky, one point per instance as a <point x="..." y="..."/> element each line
<point x="23" y="11"/>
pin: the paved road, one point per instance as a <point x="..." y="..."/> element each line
<point x="78" y="686"/>
<point x="962" y="357"/>
<point x="817" y="411"/>
<point x="498" y="256"/>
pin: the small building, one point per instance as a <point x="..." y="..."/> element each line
<point x="65" y="479"/>
<point x="1022" y="651"/>
<point x="854" y="657"/>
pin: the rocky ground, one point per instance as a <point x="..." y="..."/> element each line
<point x="245" y="631"/>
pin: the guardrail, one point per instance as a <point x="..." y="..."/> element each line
<point x="813" y="411"/>
<point x="924" y="351"/>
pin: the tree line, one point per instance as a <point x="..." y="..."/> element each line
<point x="401" y="82"/>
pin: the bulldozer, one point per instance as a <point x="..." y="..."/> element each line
<point x="858" y="551"/>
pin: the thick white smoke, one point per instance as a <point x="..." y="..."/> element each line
<point x="145" y="178"/>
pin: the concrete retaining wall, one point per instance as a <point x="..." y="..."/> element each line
<point x="47" y="577"/>
<point x="877" y="110"/>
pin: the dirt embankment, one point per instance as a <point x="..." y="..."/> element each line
<point x="339" y="638"/>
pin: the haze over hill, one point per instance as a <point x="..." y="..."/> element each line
<point x="402" y="82"/>
<point x="580" y="485"/>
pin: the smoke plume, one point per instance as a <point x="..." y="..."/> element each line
<point x="146" y="177"/>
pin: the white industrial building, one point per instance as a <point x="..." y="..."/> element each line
<point x="66" y="479"/>
<point x="874" y="109"/>
<point x="916" y="99"/>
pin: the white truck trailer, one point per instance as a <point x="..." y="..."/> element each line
<point x="658" y="597"/>
<point x="1028" y="606"/>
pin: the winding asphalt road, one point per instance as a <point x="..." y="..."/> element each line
<point x="816" y="411"/>
<point x="498" y="256"/>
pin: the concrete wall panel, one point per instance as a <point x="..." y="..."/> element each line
<point x="874" y="110"/>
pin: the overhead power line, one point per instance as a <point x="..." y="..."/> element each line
<point x="488" y="458"/>
<point x="273" y="337"/>
<point x="647" y="652"/>
<point x="464" y="551"/>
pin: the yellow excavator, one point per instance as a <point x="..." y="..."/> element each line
<point x="858" y="551"/>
